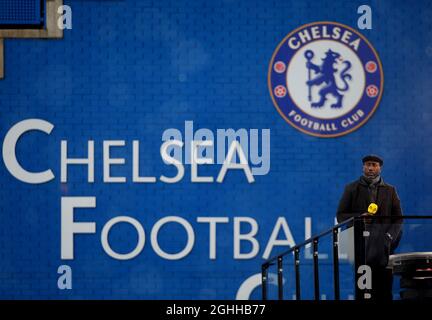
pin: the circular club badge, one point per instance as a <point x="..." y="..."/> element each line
<point x="325" y="79"/>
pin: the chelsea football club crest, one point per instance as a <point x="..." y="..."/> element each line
<point x="325" y="79"/>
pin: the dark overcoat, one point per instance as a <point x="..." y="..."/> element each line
<point x="355" y="201"/>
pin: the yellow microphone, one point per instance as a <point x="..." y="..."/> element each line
<point x="372" y="209"/>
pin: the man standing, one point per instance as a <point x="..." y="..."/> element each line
<point x="384" y="236"/>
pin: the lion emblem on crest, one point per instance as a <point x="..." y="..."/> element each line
<point x="325" y="73"/>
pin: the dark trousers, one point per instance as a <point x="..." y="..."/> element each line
<point x="382" y="283"/>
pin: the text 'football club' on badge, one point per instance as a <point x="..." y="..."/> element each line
<point x="325" y="79"/>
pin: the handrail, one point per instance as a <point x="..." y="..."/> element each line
<point x="358" y="247"/>
<point x="311" y="239"/>
<point x="296" y="250"/>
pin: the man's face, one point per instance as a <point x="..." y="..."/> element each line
<point x="371" y="169"/>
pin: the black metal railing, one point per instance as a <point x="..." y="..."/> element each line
<point x="358" y="225"/>
<point x="296" y="250"/>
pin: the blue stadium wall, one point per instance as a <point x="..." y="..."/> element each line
<point x="128" y="70"/>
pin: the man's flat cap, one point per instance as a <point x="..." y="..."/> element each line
<point x="373" y="157"/>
